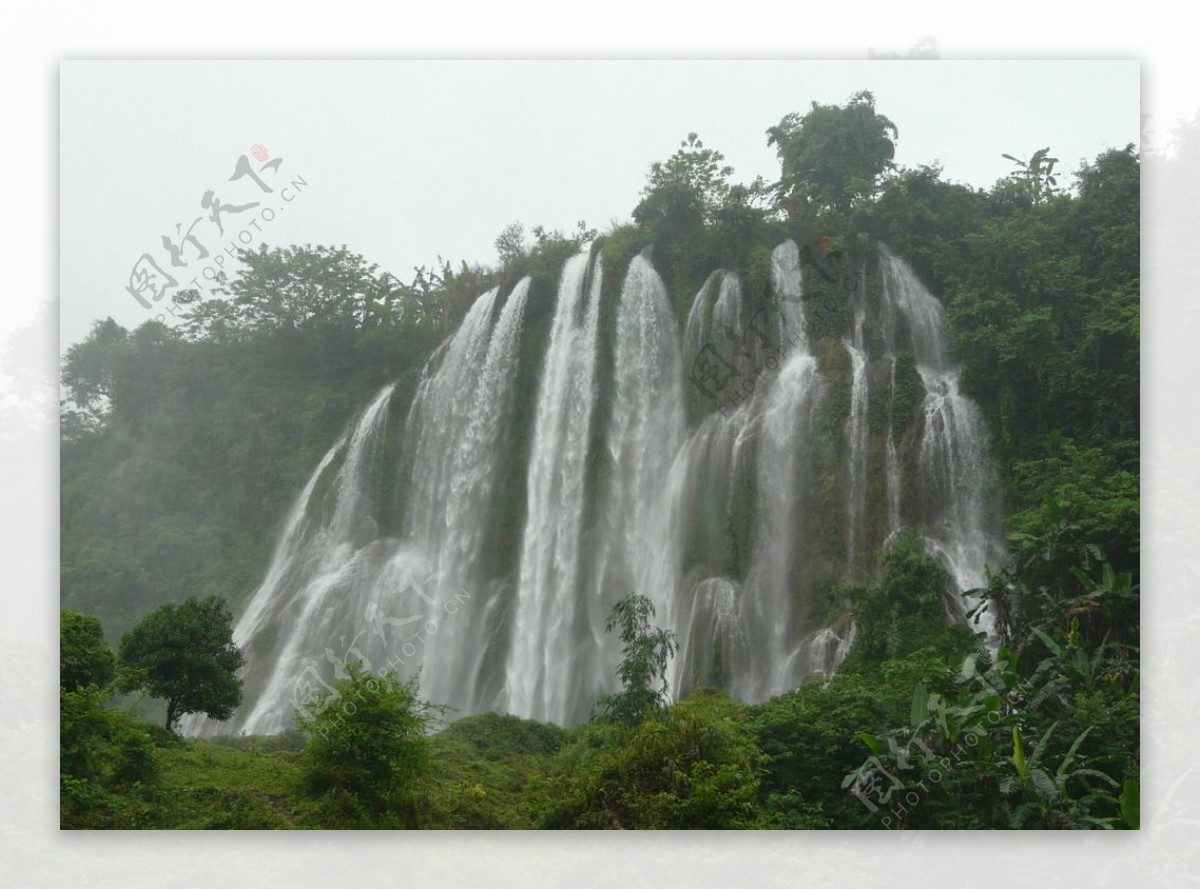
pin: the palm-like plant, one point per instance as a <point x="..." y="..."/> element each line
<point x="1063" y="796"/>
<point x="1037" y="173"/>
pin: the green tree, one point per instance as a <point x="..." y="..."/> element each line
<point x="85" y="658"/>
<point x="697" y="219"/>
<point x="368" y="745"/>
<point x="923" y="218"/>
<point x="91" y="370"/>
<point x="316" y="288"/>
<point x="185" y="654"/>
<point x="808" y="735"/>
<point x="999" y="762"/>
<point x="510" y="243"/>
<point x="687" y="189"/>
<point x="834" y="155"/>
<point x="105" y="757"/>
<point x="643" y="668"/>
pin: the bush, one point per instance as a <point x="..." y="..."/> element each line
<point x="367" y="750"/>
<point x="106" y="763"/>
<point x="695" y="765"/>
<point x="906" y="611"/>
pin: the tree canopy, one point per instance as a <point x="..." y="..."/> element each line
<point x="833" y="155"/>
<point x="85" y="658"/>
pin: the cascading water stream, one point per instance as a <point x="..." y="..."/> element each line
<point x="750" y="623"/>
<point x="453" y="654"/>
<point x="438" y="421"/>
<point x="545" y="679"/>
<point x="856" y="433"/>
<point x="783" y="477"/>
<point x="856" y="441"/>
<point x="954" y="476"/>
<point x="270" y="602"/>
<point x="322" y="570"/>
<point x="638" y="550"/>
<point x="336" y="589"/>
<point x="891" y="460"/>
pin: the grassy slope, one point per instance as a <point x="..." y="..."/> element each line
<point x="486" y="773"/>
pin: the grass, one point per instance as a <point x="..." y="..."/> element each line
<point x="207" y="785"/>
<point x="486" y="773"/>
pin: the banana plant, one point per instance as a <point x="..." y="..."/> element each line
<point x="1038" y="173"/>
<point x="1071" y="663"/>
<point x="1048" y="789"/>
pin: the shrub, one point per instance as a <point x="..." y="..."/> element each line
<point x="367" y="750"/>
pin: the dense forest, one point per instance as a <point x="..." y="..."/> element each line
<point x="183" y="447"/>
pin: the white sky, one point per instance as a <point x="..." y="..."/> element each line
<point x="408" y="160"/>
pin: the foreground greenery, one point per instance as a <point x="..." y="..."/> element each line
<point x="925" y="730"/>
<point x="182" y="448"/>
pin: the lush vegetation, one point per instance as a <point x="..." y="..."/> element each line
<point x="924" y="731"/>
<point x="182" y="447"/>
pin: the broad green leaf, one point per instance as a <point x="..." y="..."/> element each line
<point x="1131" y="804"/>
<point x="920" y="701"/>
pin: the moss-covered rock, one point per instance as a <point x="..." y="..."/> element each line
<point x="907" y="394"/>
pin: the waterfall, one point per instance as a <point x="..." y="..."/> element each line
<point x="953" y="473"/>
<point x="907" y="301"/>
<point x="438" y="421"/>
<point x="732" y="525"/>
<point x="953" y="464"/>
<point x="315" y="569"/>
<point x="891" y="461"/>
<point x="856" y="434"/>
<point x="713" y="647"/>
<point x="454" y="654"/>
<point x="544" y="678"/>
<point x="767" y="438"/>
<point x="338" y="590"/>
<point x="270" y="597"/>
<point x="717" y="307"/>
<point x="638" y="550"/>
<point x="271" y="601"/>
<point x="820" y="653"/>
<point x="787" y="282"/>
<point x="784" y="467"/>
<point x="856" y="442"/>
<point x="783" y="477"/>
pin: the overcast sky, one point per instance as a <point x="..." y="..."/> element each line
<point x="408" y="160"/>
